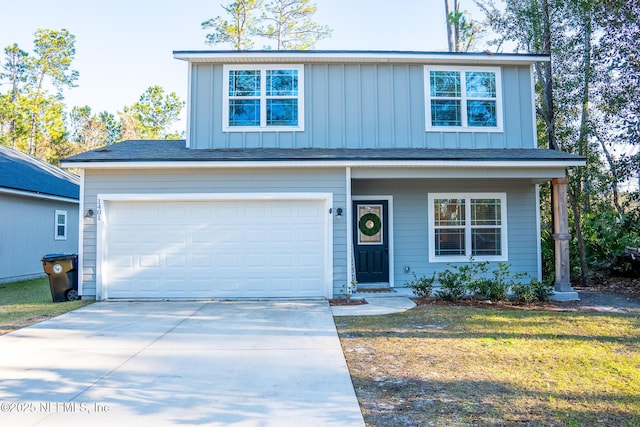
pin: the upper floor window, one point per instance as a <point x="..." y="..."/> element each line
<point x="60" y="224"/>
<point x="463" y="99"/>
<point x="263" y="97"/>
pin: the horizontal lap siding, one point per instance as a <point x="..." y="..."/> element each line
<point x="27" y="230"/>
<point x="410" y="220"/>
<point x="366" y="105"/>
<point x="211" y="181"/>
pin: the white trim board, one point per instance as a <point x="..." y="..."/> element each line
<point x="389" y="200"/>
<point x="504" y="243"/>
<point x="354" y="57"/>
<point x="442" y="164"/>
<point x="38" y="195"/>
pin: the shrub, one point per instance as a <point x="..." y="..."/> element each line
<point x="473" y="279"/>
<point x="422" y="286"/>
<point x="452" y="285"/>
<point x="532" y="291"/>
<point x="541" y="291"/>
<point x="487" y="288"/>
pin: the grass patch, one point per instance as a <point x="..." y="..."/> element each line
<point x="459" y="366"/>
<point x="27" y="302"/>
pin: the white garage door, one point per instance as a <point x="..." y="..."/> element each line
<point x="214" y="249"/>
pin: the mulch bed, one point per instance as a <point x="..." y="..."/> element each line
<point x="375" y="290"/>
<point x="472" y="302"/>
<point x="627" y="287"/>
<point x="616" y="286"/>
<point x="344" y="301"/>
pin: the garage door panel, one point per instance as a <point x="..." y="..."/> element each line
<point x="176" y="261"/>
<point x="214" y="249"/>
<point x="149" y="261"/>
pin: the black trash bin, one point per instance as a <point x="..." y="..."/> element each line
<point x="63" y="276"/>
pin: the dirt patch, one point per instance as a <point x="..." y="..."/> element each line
<point x="618" y="285"/>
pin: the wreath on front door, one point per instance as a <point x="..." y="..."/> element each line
<point x="369" y="224"/>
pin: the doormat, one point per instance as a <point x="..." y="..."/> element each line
<point x="374" y="290"/>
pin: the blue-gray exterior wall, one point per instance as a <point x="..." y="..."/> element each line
<point x="27" y="227"/>
<point x="367" y="105"/>
<point x="155" y="181"/>
<point x="410" y="210"/>
<point x="410" y="220"/>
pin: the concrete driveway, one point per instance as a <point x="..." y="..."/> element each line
<point x="179" y="363"/>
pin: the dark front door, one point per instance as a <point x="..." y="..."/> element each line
<point x="371" y="241"/>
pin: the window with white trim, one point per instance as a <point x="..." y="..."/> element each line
<point x="467" y="225"/>
<point x="60" y="231"/>
<point x="463" y="99"/>
<point x="263" y="97"/>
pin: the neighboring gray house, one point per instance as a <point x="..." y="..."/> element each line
<point x="299" y="165"/>
<point x="38" y="214"/>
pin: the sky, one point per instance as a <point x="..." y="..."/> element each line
<point x="125" y="46"/>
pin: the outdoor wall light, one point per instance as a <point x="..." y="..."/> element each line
<point x="89" y="213"/>
<point x="339" y="213"/>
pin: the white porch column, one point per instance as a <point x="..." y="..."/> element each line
<point x="561" y="239"/>
<point x="349" y="214"/>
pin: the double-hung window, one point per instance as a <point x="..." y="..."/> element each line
<point x="463" y="99"/>
<point x="60" y="225"/>
<point x="263" y="97"/>
<point x="467" y="225"/>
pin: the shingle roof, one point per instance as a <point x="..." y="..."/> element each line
<point x="19" y="171"/>
<point x="175" y="150"/>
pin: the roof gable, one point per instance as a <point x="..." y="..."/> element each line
<point x="19" y="171"/>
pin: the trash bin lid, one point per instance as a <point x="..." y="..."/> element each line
<point x="58" y="257"/>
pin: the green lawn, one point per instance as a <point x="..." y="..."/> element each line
<point x="462" y="366"/>
<point x="28" y="302"/>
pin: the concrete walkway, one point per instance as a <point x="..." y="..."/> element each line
<point x="395" y="301"/>
<point x="179" y="363"/>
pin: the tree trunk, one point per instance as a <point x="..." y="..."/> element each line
<point x="34" y="116"/>
<point x="456" y="28"/>
<point x="447" y="20"/>
<point x="577" y="225"/>
<point x="546" y="72"/>
<point x="614" y="174"/>
<point x="447" y="11"/>
<point x="582" y="147"/>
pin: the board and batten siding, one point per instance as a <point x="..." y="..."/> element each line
<point x="361" y="106"/>
<point x="179" y="181"/>
<point x="410" y="220"/>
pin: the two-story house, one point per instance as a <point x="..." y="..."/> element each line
<point x="303" y="169"/>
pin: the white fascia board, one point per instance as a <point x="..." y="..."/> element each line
<point x="346" y="57"/>
<point x="327" y="164"/>
<point x="38" y="195"/>
<point x="81" y="236"/>
<point x="185" y="197"/>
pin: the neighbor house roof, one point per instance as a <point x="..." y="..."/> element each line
<point x="158" y="152"/>
<point x="22" y="173"/>
<point x="357" y="57"/>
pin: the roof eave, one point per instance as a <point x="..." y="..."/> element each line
<point x="356" y="57"/>
<point x="37" y="195"/>
<point x="298" y="163"/>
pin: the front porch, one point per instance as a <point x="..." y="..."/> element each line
<point x="410" y="240"/>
